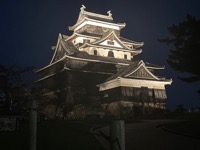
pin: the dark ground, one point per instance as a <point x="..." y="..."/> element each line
<point x="76" y="135"/>
<point x="52" y="135"/>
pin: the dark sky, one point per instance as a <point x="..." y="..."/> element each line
<point x="28" y="29"/>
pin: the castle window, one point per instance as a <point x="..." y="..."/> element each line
<point x="95" y="52"/>
<point x="86" y="41"/>
<point x="110" y="54"/>
<point x="125" y="56"/>
<point x="160" y="93"/>
<point x="110" y="42"/>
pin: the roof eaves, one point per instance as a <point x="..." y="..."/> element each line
<point x="121" y="25"/>
<point x="131" y="42"/>
<point x="109" y="17"/>
<point x="51" y="64"/>
<point x="142" y="64"/>
<point x="71" y="28"/>
<point x="46" y="77"/>
<point x="152" y="66"/>
<point x="56" y="48"/>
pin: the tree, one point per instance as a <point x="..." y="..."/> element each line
<point x="184" y="54"/>
<point x="180" y="109"/>
<point x="13" y="89"/>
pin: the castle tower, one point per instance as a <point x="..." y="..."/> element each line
<point x="97" y="66"/>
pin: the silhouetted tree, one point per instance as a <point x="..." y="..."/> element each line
<point x="45" y="100"/>
<point x="51" y="103"/>
<point x="13" y="88"/>
<point x="180" y="109"/>
<point x="184" y="54"/>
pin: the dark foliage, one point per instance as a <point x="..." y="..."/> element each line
<point x="14" y="89"/>
<point x="184" y="54"/>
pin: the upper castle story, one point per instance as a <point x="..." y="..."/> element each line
<point x="99" y="35"/>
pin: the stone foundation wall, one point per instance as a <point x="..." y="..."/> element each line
<point x="119" y="109"/>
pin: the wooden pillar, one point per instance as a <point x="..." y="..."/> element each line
<point x="117" y="135"/>
<point x="33" y="125"/>
<point x="70" y="92"/>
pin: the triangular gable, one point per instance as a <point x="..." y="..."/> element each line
<point x="56" y="49"/>
<point x="110" y="36"/>
<point x="80" y="17"/>
<point x="141" y="72"/>
<point x="62" y="48"/>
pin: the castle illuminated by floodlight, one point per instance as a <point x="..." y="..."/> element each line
<point x="98" y="73"/>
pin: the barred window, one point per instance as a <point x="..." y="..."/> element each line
<point x="160" y="93"/>
<point x="123" y="91"/>
<point x="110" y="54"/>
<point x="86" y="41"/>
<point x="125" y="56"/>
<point x="95" y="52"/>
<point x="127" y="91"/>
<point x="110" y="42"/>
<point x="137" y="91"/>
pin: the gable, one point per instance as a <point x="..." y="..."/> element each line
<point x="111" y="39"/>
<point x="112" y="43"/>
<point x="59" y="53"/>
<point x="62" y="48"/>
<point x="141" y="72"/>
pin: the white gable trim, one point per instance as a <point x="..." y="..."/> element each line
<point x="115" y="37"/>
<point x="58" y="42"/>
<point x="142" y="64"/>
<point x="108" y="47"/>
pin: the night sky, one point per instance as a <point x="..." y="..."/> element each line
<point x="28" y="29"/>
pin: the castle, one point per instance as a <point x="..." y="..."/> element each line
<point x="98" y="73"/>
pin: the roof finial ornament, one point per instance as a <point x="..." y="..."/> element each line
<point x="82" y="8"/>
<point x="109" y="13"/>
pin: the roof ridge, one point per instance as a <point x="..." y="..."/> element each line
<point x="83" y="12"/>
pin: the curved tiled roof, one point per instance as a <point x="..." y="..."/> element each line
<point x="124" y="71"/>
<point x="153" y="66"/>
<point x="130" y="41"/>
<point x="85" y="55"/>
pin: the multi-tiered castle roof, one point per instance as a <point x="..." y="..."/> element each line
<point x="97" y="47"/>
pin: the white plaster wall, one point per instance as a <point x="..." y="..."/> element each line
<point x="78" y="40"/>
<point x="133" y="83"/>
<point x="120" y="54"/>
<point x="116" y="44"/>
<point x="87" y="49"/>
<point x="142" y="83"/>
<point x="104" y="52"/>
<point x="91" y="51"/>
<point x="101" y="51"/>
